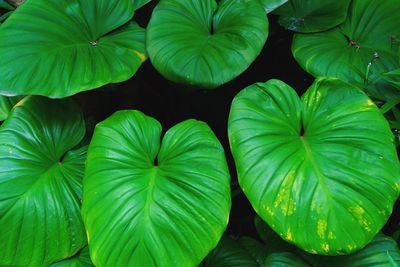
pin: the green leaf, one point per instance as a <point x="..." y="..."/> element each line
<point x="81" y="259"/>
<point x="315" y="167"/>
<point x="157" y="203"/>
<point x="312" y="15"/>
<point x="59" y="48"/>
<point x="204" y="44"/>
<point x="274" y="243"/>
<point x="244" y="252"/>
<point x="139" y="3"/>
<point x="4" y="16"/>
<point x="271" y="5"/>
<point x="284" y="259"/>
<point x="381" y="252"/>
<point x="359" y="50"/>
<point x="40" y="182"/>
<point x="6" y="104"/>
<point x="6" y="5"/>
<point x="393" y="77"/>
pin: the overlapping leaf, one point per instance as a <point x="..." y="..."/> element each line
<point x="359" y="51"/>
<point x="6" y="104"/>
<point x="59" y="48"/>
<point x="321" y="171"/>
<point x="82" y="259"/>
<point x="150" y="202"/>
<point x="40" y="183"/>
<point x="203" y="43"/>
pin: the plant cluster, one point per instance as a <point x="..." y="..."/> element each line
<point x="320" y="170"/>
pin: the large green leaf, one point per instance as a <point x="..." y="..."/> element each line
<point x="284" y="259"/>
<point x="139" y="3"/>
<point x="148" y="203"/>
<point x="205" y="44"/>
<point x="312" y="15"/>
<point x="6" y="104"/>
<point x="359" y="50"/>
<point x="322" y="170"/>
<point x="244" y="252"/>
<point x="40" y="182"/>
<point x="81" y="259"/>
<point x="58" y="48"/>
<point x="271" y="5"/>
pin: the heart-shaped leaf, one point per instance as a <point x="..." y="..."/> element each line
<point x="359" y="50"/>
<point x="40" y="182"/>
<point x="59" y="48"/>
<point x="205" y="44"/>
<point x="271" y="5"/>
<point x="155" y="204"/>
<point x="82" y="259"/>
<point x="6" y="104"/>
<point x="244" y="251"/>
<point x="312" y="15"/>
<point x="322" y="170"/>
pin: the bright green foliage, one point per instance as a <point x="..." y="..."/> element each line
<point x="236" y="253"/>
<point x="312" y="15"/>
<point x="6" y="104"/>
<point x="59" y="48"/>
<point x="81" y="259"/>
<point x="359" y="50"/>
<point x="205" y="44"/>
<point x="271" y="5"/>
<point x="40" y="182"/>
<point x="315" y="167"/>
<point x="284" y="259"/>
<point x="151" y="202"/>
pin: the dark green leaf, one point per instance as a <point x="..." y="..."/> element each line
<point x="5" y="5"/>
<point x="139" y="3"/>
<point x="40" y="182"/>
<point x="284" y="259"/>
<point x="271" y="5"/>
<point x="244" y="252"/>
<point x="312" y="15"/>
<point x="321" y="171"/>
<point x="82" y="259"/>
<point x="59" y="48"/>
<point x="204" y="44"/>
<point x="359" y="50"/>
<point x="151" y="202"/>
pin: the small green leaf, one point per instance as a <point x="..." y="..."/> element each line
<point x="151" y="202"/>
<point x="312" y="15"/>
<point x="41" y="182"/>
<point x="203" y="43"/>
<point x="359" y="51"/>
<point x="59" y="48"/>
<point x="315" y="167"/>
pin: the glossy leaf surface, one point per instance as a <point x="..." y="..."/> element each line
<point x="312" y="15"/>
<point x="82" y="259"/>
<point x="359" y="50"/>
<point x="315" y="167"/>
<point x="151" y="202"/>
<point x="59" y="48"/>
<point x="40" y="182"/>
<point x="6" y="104"/>
<point x="205" y="44"/>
